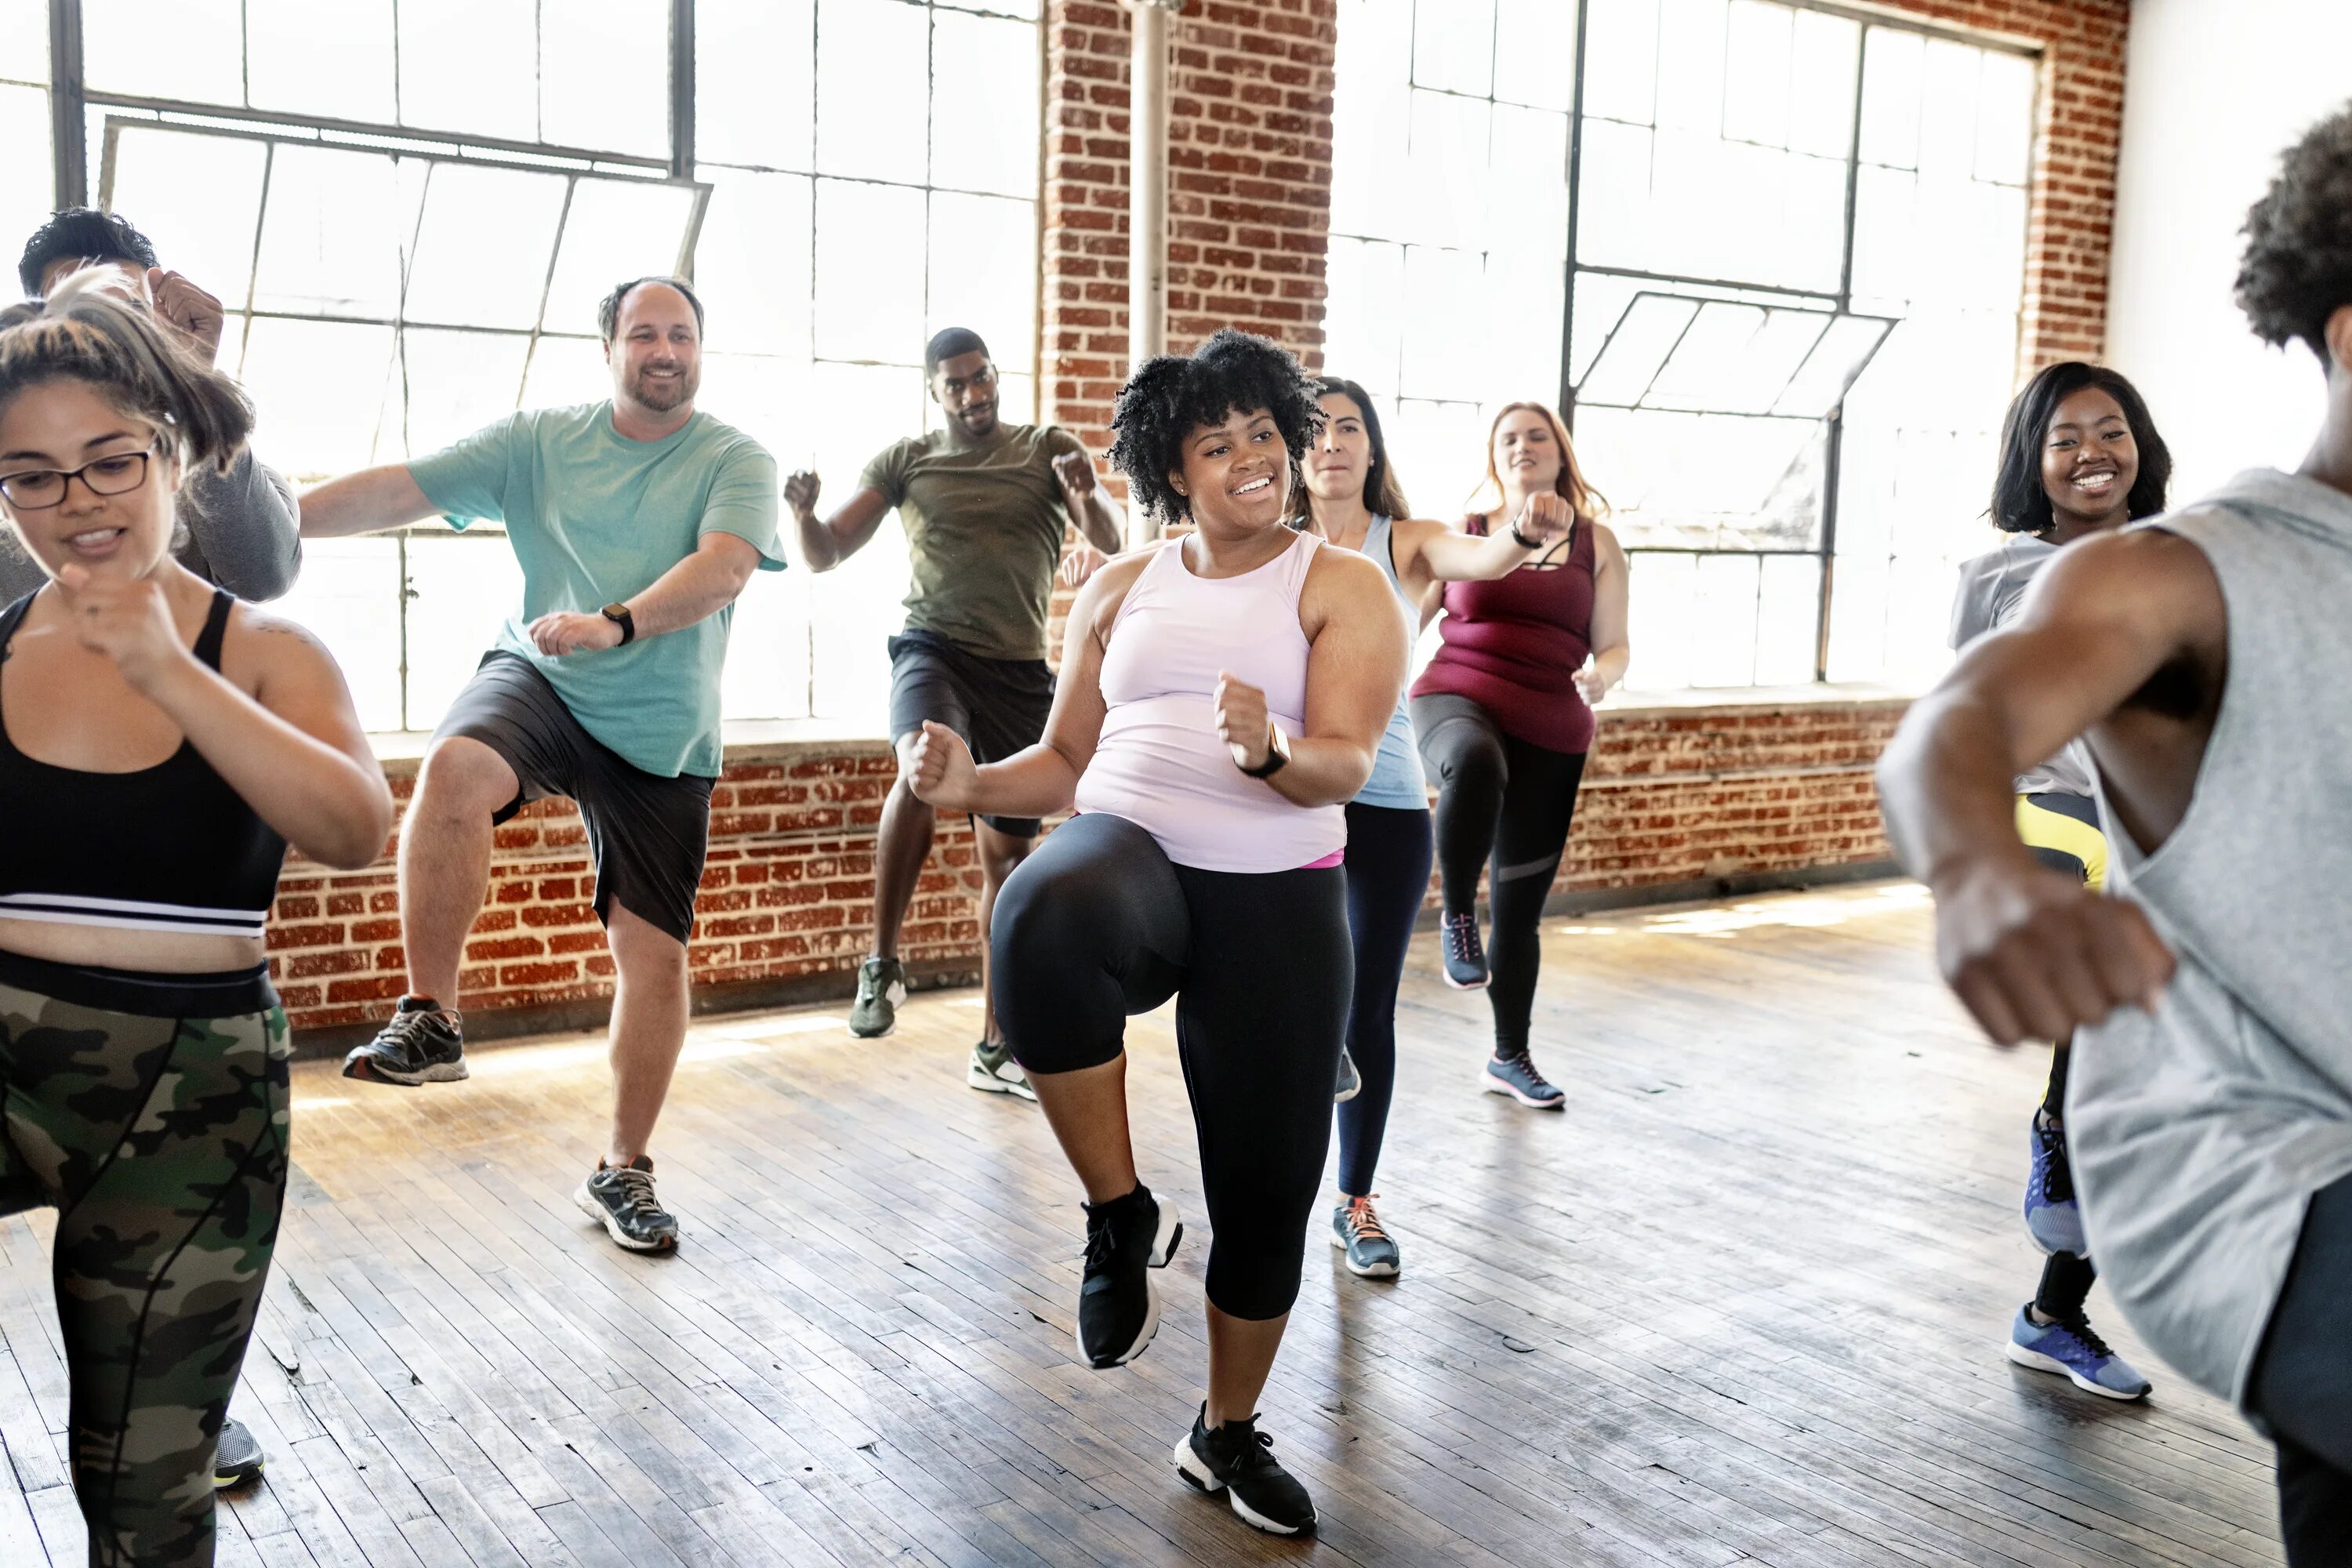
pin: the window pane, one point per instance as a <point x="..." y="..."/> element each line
<point x="1643" y="337"/>
<point x="1454" y="46"/>
<point x="462" y="591"/>
<point x="1006" y="7"/>
<point x="873" y="79"/>
<point x="858" y="410"/>
<point x="1756" y="83"/>
<point x="1660" y="621"/>
<point x="1821" y="382"/>
<point x="309" y="59"/>
<point x="24" y="42"/>
<point x="1600" y="303"/>
<point x="1526" y="203"/>
<point x="1692" y="35"/>
<point x="348" y="593"/>
<point x="198" y="198"/>
<point x="1620" y="43"/>
<point x="1521" y="331"/>
<point x="336" y="226"/>
<point x="766" y="674"/>
<point x="1890" y="97"/>
<point x="766" y="397"/>
<point x="1821" y="90"/>
<point x="1707" y="481"/>
<point x="754" y="75"/>
<point x="320" y="389"/>
<point x="603" y="75"/>
<point x="1441" y="454"/>
<point x="1370" y="117"/>
<point x="564" y="371"/>
<point x="982" y="135"/>
<point x="464" y="207"/>
<point x="1947" y="109"/>
<point x="983" y="274"/>
<point x="1366" y="316"/>
<point x="1788" y="620"/>
<point x="752" y="261"/>
<point x="1737" y="359"/>
<point x="191" y="50"/>
<point x="442" y="89"/>
<point x="869" y="272"/>
<point x="1445" y="330"/>
<point x="2005" y="119"/>
<point x="1723" y="621"/>
<point x="613" y="231"/>
<point x="1534" y="52"/>
<point x="1449" y="143"/>
<point x="26" y="185"/>
<point x="456" y="383"/>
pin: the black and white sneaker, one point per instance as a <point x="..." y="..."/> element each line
<point x="622" y="1199"/>
<point x="1516" y="1076"/>
<point x="1466" y="961"/>
<point x="1351" y="1082"/>
<point x="420" y="1044"/>
<point x="1237" y="1459"/>
<point x="1119" y="1306"/>
<point x="236" y="1456"/>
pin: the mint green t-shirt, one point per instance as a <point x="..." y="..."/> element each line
<point x="594" y="518"/>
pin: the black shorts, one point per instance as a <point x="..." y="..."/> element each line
<point x="997" y="705"/>
<point x="648" y="832"/>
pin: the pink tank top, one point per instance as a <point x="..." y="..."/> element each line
<point x="1159" y="764"/>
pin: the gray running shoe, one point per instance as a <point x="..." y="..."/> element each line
<point x="236" y="1457"/>
<point x="624" y="1199"/>
<point x="993" y="1071"/>
<point x="1516" y="1076"/>
<point x="420" y="1044"/>
<point x="881" y="987"/>
<point x="1371" y="1252"/>
<point x="1351" y="1082"/>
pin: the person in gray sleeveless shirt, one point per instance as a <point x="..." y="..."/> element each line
<point x="2206" y="658"/>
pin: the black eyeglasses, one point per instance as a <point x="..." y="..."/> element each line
<point x="38" y="490"/>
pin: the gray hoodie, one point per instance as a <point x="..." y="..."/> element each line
<point x="244" y="533"/>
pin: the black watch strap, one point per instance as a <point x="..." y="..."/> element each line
<point x="620" y="616"/>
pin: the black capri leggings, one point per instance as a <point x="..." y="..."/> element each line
<point x="1502" y="799"/>
<point x="1098" y="925"/>
<point x="1388" y="876"/>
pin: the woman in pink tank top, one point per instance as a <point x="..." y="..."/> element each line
<point x="1504" y="715"/>
<point x="1221" y="697"/>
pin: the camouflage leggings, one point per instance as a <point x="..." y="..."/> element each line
<point x="161" y="1143"/>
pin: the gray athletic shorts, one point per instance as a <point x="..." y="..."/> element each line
<point x="648" y="832"/>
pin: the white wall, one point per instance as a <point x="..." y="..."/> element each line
<point x="2212" y="91"/>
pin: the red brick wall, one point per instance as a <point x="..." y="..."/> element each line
<point x="1671" y="795"/>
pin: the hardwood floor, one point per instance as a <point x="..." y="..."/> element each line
<point x="1743" y="1302"/>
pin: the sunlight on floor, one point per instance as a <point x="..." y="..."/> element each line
<point x="1814" y="911"/>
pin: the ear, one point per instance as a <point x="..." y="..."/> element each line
<point x="608" y="351"/>
<point x="1176" y="481"/>
<point x="2339" y="340"/>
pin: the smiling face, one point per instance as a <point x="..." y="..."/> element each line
<point x="1526" y="455"/>
<point x="657" y="350"/>
<point x="62" y="425"/>
<point x="1235" y="473"/>
<point x="1342" y="459"/>
<point x="964" y="386"/>
<point x="2089" y="463"/>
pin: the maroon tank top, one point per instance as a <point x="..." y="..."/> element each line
<point x="1514" y="645"/>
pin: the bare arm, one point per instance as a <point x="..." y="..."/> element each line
<point x="1099" y="520"/>
<point x="366" y="502"/>
<point x="825" y="545"/>
<point x="697" y="588"/>
<point x="1611" y="592"/>
<point x="1356" y="661"/>
<point x="2029" y="951"/>
<point x="1429" y="552"/>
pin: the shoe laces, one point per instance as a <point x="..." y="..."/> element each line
<point x="406" y="1027"/>
<point x="636" y="1189"/>
<point x="1363" y="1224"/>
<point x="1524" y="1060"/>
<point x="2089" y="1337"/>
<point x="1102" y="1242"/>
<point x="2058" y="1185"/>
<point x="1246" y="1447"/>
<point x="1461" y="938"/>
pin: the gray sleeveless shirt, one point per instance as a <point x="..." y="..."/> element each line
<point x="2200" y="1134"/>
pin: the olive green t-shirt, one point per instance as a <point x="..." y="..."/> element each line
<point x="985" y="526"/>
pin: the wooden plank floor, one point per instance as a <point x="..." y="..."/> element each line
<point x="1742" y="1303"/>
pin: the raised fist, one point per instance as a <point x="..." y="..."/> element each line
<point x="196" y="314"/>
<point x="801" y="491"/>
<point x="1243" y="723"/>
<point x="1546" y="517"/>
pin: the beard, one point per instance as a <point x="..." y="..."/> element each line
<point x="661" y="396"/>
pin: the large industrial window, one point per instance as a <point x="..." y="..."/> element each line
<point x="1798" y="244"/>
<point x="411" y="238"/>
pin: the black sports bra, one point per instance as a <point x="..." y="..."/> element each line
<point x="170" y="848"/>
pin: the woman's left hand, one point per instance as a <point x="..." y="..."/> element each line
<point x="1590" y="685"/>
<point x="1243" y="722"/>
<point x="128" y="619"/>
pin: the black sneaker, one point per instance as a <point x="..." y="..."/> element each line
<point x="624" y="1199"/>
<point x="420" y="1045"/>
<point x="881" y="987"/>
<point x="1466" y="961"/>
<point x="1237" y="1459"/>
<point x="1351" y="1082"/>
<point x="1119" y="1306"/>
<point x="236" y="1457"/>
<point x="1516" y="1076"/>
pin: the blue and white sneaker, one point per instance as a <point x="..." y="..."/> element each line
<point x="1464" y="967"/>
<point x="2053" y="1216"/>
<point x="2076" y="1351"/>
<point x="1516" y="1076"/>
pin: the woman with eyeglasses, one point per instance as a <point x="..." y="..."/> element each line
<point x="161" y="744"/>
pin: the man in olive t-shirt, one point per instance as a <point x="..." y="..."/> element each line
<point x="985" y="507"/>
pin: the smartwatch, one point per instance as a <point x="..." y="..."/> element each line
<point x="1277" y="753"/>
<point x="619" y="615"/>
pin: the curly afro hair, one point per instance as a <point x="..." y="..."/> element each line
<point x="2298" y="263"/>
<point x="1171" y="396"/>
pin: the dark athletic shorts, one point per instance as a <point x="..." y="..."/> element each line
<point x="647" y="833"/>
<point x="997" y="705"/>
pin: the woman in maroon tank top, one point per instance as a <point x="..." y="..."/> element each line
<point x="1504" y="715"/>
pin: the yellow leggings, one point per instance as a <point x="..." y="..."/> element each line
<point x="2066" y="839"/>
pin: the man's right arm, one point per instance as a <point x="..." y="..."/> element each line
<point x="826" y="544"/>
<point x="366" y="502"/>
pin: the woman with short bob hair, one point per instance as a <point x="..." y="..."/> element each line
<point x="1220" y="699"/>
<point x="161" y="744"/>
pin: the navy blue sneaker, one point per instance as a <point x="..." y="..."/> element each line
<point x="2073" y="1351"/>
<point x="1466" y="961"/>
<point x="1516" y="1076"/>
<point x="2053" y="1216"/>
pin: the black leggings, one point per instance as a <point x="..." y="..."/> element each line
<point x="1098" y="925"/>
<point x="1504" y="800"/>
<point x="1388" y="876"/>
<point x="2302" y="1386"/>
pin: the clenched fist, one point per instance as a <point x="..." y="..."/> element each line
<point x="1243" y="722"/>
<point x="801" y="492"/>
<point x="128" y="619"/>
<point x="1082" y="563"/>
<point x="2035" y="954"/>
<point x="1076" y="472"/>
<point x="195" y="313"/>
<point x="1545" y="517"/>
<point x="569" y="632"/>
<point x="939" y="768"/>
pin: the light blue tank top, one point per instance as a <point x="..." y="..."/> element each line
<point x="1397" y="781"/>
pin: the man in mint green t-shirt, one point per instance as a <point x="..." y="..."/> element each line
<point x="636" y="523"/>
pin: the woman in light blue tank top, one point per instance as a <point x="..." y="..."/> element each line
<point x="1351" y="499"/>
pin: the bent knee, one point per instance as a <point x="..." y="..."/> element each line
<point x="464" y="777"/>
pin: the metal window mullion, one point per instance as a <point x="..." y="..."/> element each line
<point x="68" y="130"/>
<point x="1833" y="459"/>
<point x="252" y="271"/>
<point x="681" y="88"/>
<point x="1575" y="207"/>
